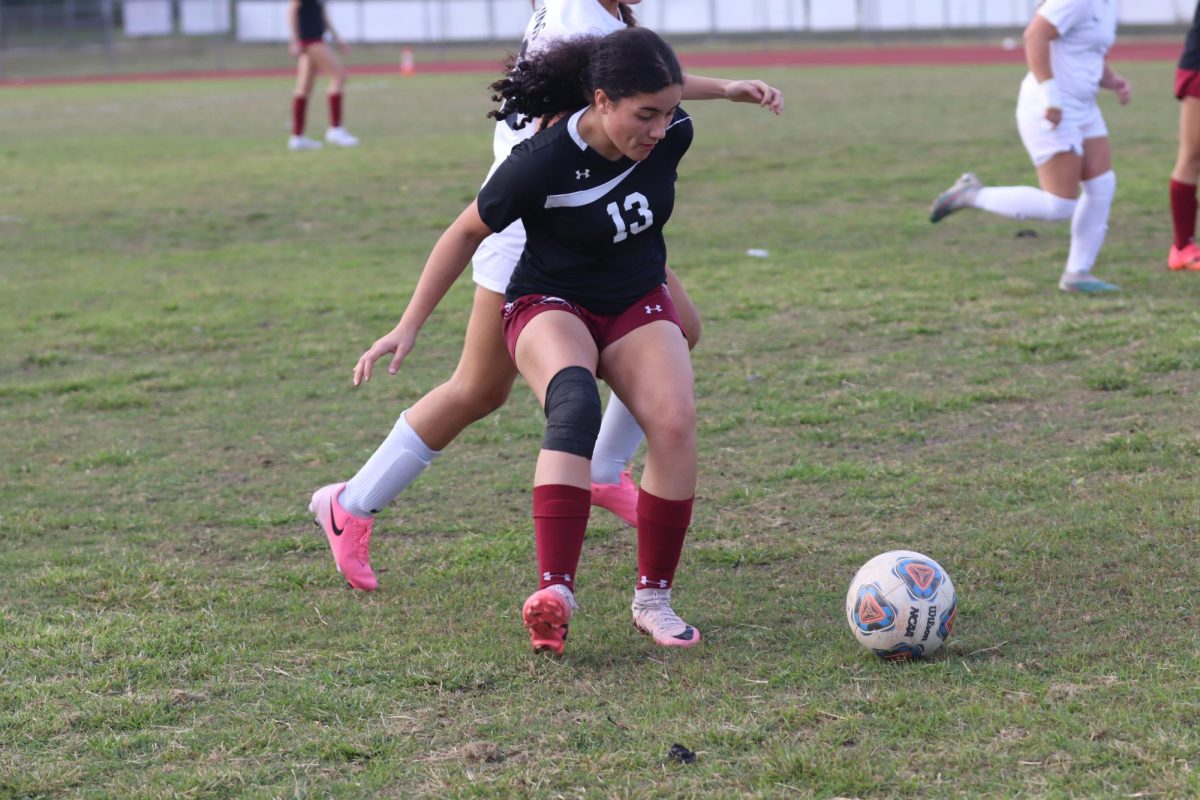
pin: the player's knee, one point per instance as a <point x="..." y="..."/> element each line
<point x="1060" y="208"/>
<point x="490" y="400"/>
<point x="672" y="423"/>
<point x="572" y="412"/>
<point x="475" y="400"/>
<point x="1102" y="186"/>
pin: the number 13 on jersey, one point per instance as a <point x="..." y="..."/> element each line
<point x="638" y="201"/>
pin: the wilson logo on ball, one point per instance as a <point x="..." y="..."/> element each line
<point x="871" y="612"/>
<point x="921" y="578"/>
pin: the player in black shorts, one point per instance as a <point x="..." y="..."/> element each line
<point x="594" y="191"/>
<point x="309" y="24"/>
<point x="1184" y="253"/>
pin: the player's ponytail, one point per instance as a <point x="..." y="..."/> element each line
<point x="564" y="76"/>
<point x="627" y="15"/>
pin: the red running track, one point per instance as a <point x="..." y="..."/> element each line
<point x="815" y="57"/>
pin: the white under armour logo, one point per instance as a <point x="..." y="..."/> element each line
<point x="580" y="174"/>
<point x="549" y="576"/>
<point x="662" y="584"/>
<point x="653" y="309"/>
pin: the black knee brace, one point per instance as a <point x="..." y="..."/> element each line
<point x="572" y="412"/>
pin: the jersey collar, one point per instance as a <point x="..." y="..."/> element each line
<point x="573" y="128"/>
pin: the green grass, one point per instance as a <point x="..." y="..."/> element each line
<point x="183" y="302"/>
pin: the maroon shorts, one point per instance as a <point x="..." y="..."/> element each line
<point x="651" y="307"/>
<point x="305" y="43"/>
<point x="1187" y="83"/>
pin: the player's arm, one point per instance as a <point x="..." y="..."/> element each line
<point x="446" y="262"/>
<point x="294" y="24"/>
<point x="1038" y="35"/>
<point x="1111" y="79"/>
<point x="698" y="87"/>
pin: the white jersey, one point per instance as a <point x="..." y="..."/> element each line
<point x="553" y="20"/>
<point x="562" y="19"/>
<point x="1087" y="29"/>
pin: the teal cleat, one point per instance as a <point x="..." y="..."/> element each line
<point x="1086" y="283"/>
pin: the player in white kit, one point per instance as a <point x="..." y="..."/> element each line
<point x="485" y="372"/>
<point x="1064" y="133"/>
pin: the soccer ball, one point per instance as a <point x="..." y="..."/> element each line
<point x="901" y="605"/>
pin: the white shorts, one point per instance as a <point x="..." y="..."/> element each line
<point x="1080" y="121"/>
<point x="497" y="257"/>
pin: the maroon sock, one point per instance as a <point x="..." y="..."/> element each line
<point x="661" y="528"/>
<point x="299" y="105"/>
<point x="560" y="517"/>
<point x="335" y="110"/>
<point x="1183" y="212"/>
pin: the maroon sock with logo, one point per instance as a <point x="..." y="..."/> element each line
<point x="560" y="517"/>
<point x="299" y="105"/>
<point x="335" y="110"/>
<point x="1183" y="212"/>
<point x="661" y="528"/>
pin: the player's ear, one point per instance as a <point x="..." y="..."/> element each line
<point x="602" y="101"/>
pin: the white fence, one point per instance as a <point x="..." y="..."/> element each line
<point x="491" y="20"/>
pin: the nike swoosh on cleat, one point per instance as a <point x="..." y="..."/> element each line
<point x="686" y="636"/>
<point x="333" y="521"/>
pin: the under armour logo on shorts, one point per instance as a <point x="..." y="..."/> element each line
<point x="653" y="309"/>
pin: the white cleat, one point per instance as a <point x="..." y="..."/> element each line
<point x="303" y="143"/>
<point x="341" y="137"/>
<point x="960" y="195"/>
<point x="653" y="616"/>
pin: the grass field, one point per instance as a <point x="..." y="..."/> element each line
<point x="183" y="302"/>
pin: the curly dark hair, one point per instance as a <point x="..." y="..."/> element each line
<point x="565" y="75"/>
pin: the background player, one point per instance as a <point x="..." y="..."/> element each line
<point x="1064" y="133"/>
<point x="1184" y="253"/>
<point x="484" y="376"/>
<point x="309" y="24"/>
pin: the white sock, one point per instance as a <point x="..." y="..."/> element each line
<point x="1090" y="223"/>
<point x="1024" y="202"/>
<point x="397" y="463"/>
<point x="619" y="438"/>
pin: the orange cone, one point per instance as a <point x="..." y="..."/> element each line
<point x="408" y="65"/>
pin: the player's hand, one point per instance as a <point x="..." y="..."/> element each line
<point x="294" y="48"/>
<point x="759" y="92"/>
<point x="398" y="342"/>
<point x="1054" y="116"/>
<point x="1122" y="89"/>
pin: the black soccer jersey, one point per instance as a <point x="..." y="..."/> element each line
<point x="1191" y="48"/>
<point x="593" y="226"/>
<point x="311" y="20"/>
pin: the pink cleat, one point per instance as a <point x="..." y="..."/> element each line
<point x="1186" y="257"/>
<point x="349" y="536"/>
<point x="546" y="614"/>
<point x="619" y="498"/>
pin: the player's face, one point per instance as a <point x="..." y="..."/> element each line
<point x="637" y="123"/>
